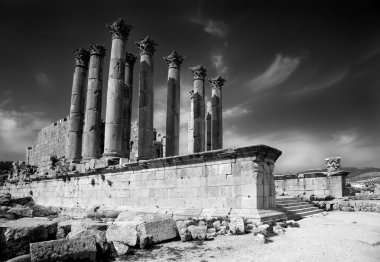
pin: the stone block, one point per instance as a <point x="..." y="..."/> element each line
<point x="64" y="250"/>
<point x="236" y="225"/>
<point x="198" y="232"/>
<point x="124" y="232"/>
<point x="160" y="228"/>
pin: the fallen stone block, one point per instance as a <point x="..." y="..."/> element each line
<point x="100" y="237"/>
<point x="42" y="211"/>
<point x="21" y="211"/>
<point x="83" y="249"/>
<point x="222" y="230"/>
<point x="119" y="249"/>
<point x="16" y="235"/>
<point x="160" y="227"/>
<point x="124" y="232"/>
<point x="236" y="226"/>
<point x="145" y="241"/>
<point x="216" y="224"/>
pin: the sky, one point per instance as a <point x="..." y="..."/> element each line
<point x="302" y="76"/>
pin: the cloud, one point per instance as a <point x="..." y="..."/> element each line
<point x="303" y="150"/>
<point x="18" y="130"/>
<point x="214" y="28"/>
<point x="5" y="102"/>
<point x="235" y="112"/>
<point x="43" y="80"/>
<point x="280" y="69"/>
<point x="220" y="67"/>
<point x="320" y="84"/>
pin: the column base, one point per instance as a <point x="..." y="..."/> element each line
<point x="111" y="154"/>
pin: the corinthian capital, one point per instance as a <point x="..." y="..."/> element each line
<point x="199" y="72"/>
<point x="130" y="59"/>
<point x="146" y="46"/>
<point x="119" y="29"/>
<point x="98" y="50"/>
<point x="82" y="56"/>
<point x="174" y="59"/>
<point x="217" y="81"/>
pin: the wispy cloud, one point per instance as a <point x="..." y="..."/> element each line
<point x="43" y="80"/>
<point x="280" y="69"/>
<point x="219" y="64"/>
<point x="235" y="112"/>
<point x="214" y="28"/>
<point x="18" y="130"/>
<point x="6" y="101"/>
<point x="320" y="84"/>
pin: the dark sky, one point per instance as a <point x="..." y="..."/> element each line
<point x="302" y="76"/>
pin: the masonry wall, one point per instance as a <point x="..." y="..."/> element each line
<point x="51" y="140"/>
<point x="318" y="184"/>
<point x="230" y="178"/>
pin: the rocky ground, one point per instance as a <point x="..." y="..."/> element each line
<point x="36" y="233"/>
<point x="337" y="236"/>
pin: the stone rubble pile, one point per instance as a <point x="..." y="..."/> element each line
<point x="109" y="234"/>
<point x="349" y="205"/>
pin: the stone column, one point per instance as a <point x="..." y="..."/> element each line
<point x="198" y="108"/>
<point x="174" y="61"/>
<point x="127" y="105"/>
<point x="208" y="124"/>
<point x="92" y="121"/>
<point x="216" y="116"/>
<point x="74" y="148"/>
<point x="115" y="92"/>
<point x="146" y="48"/>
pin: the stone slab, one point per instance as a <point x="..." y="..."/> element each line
<point x="83" y="249"/>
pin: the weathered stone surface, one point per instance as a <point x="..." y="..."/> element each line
<point x="160" y="228"/>
<point x="236" y="225"/>
<point x="198" y="232"/>
<point x="145" y="241"/>
<point x="21" y="211"/>
<point x="45" y="211"/>
<point x="83" y="249"/>
<point x="15" y="236"/>
<point x="119" y="248"/>
<point x="100" y="237"/>
<point x="23" y="258"/>
<point x="124" y="232"/>
<point x="216" y="224"/>
<point x="185" y="234"/>
<point x="259" y="238"/>
<point x="261" y="229"/>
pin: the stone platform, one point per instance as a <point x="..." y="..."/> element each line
<point x="234" y="181"/>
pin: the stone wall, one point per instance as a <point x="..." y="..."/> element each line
<point x="318" y="184"/>
<point x="238" y="178"/>
<point x="51" y="140"/>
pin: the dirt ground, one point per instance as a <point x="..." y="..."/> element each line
<point x="337" y="236"/>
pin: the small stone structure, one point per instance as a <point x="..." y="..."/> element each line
<point x="330" y="183"/>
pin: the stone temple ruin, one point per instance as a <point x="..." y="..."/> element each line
<point x="81" y="161"/>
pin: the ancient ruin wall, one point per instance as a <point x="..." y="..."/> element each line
<point x="317" y="184"/>
<point x="238" y="178"/>
<point x="51" y="140"/>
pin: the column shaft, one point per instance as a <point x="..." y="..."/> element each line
<point x="216" y="116"/>
<point x="74" y="148"/>
<point x="145" y="140"/>
<point x="115" y="92"/>
<point x="127" y="106"/>
<point x="92" y="125"/>
<point x="174" y="61"/>
<point x="208" y="125"/>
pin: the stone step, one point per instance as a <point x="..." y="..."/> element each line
<point x="289" y="202"/>
<point x="293" y="204"/>
<point x="300" y="215"/>
<point x="301" y="209"/>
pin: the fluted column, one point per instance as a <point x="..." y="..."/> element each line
<point x="146" y="48"/>
<point x="174" y="61"/>
<point x="127" y="105"/>
<point x="208" y="124"/>
<point x="216" y="116"/>
<point x="115" y="91"/>
<point x="198" y="108"/>
<point x="92" y="121"/>
<point x="74" y="148"/>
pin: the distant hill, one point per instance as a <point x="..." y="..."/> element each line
<point x="356" y="173"/>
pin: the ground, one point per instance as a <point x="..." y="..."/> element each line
<point x="337" y="236"/>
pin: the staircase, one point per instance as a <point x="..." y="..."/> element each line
<point x="295" y="208"/>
